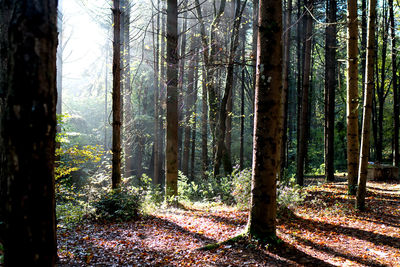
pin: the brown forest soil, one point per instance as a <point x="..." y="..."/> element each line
<point x="324" y="231"/>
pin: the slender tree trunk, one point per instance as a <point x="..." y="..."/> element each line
<point x="286" y="73"/>
<point x="209" y="54"/>
<point x="156" y="42"/>
<point x="181" y="103"/>
<point x="171" y="149"/>
<point x="59" y="63"/>
<point x="304" y="105"/>
<point x="193" y="135"/>
<point x="163" y="94"/>
<point x="106" y="101"/>
<point x="128" y="94"/>
<point x="300" y="70"/>
<point x="396" y="125"/>
<point x="28" y="99"/>
<point x="268" y="108"/>
<point x="369" y="84"/>
<point x="204" y="127"/>
<point x="352" y="97"/>
<point x="381" y="90"/>
<point x="116" y="139"/>
<point x="220" y="134"/>
<point x="330" y="87"/>
<point x="242" y="98"/>
<point x="363" y="41"/>
<point x="189" y="110"/>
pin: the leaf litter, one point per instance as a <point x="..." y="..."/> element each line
<point x="325" y="230"/>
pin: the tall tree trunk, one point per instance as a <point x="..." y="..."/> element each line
<point x="220" y="134"/>
<point x="189" y="110"/>
<point x="242" y="98"/>
<point x="204" y="127"/>
<point x="330" y="87"/>
<point x="352" y="97"/>
<point x="301" y="154"/>
<point x="193" y="135"/>
<point x="181" y="103"/>
<point x="268" y="108"/>
<point x="163" y="93"/>
<point x="116" y="138"/>
<point x="300" y="70"/>
<point x="171" y="148"/>
<point x="209" y="54"/>
<point x="369" y="84"/>
<point x="363" y="42"/>
<point x="286" y="71"/>
<point x="59" y="65"/>
<point x="381" y="92"/>
<point x="396" y="157"/>
<point x="156" y="42"/>
<point x="28" y="99"/>
<point x="128" y="94"/>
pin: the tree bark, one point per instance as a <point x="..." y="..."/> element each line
<point x="352" y="97"/>
<point x="220" y="134"/>
<point x="129" y="162"/>
<point x="242" y="98"/>
<point x="301" y="154"/>
<point x="181" y="101"/>
<point x="193" y="135"/>
<point x="116" y="105"/>
<point x="156" y="42"/>
<point x="286" y="73"/>
<point x="268" y="108"/>
<point x="171" y="148"/>
<point x="28" y="99"/>
<point x="381" y="92"/>
<point x="330" y="87"/>
<point x="189" y="109"/>
<point x="369" y="84"/>
<point x="396" y="154"/>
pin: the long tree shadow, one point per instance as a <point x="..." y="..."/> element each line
<point x="337" y="253"/>
<point x="375" y="238"/>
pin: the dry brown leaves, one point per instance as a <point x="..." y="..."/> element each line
<point x="324" y="231"/>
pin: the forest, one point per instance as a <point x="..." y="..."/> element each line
<point x="199" y="133"/>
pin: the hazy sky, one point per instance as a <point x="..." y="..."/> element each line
<point x="83" y="55"/>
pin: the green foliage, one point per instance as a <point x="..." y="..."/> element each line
<point x="319" y="171"/>
<point x="118" y="205"/>
<point x="214" y="189"/>
<point x="74" y="158"/>
<point x="71" y="213"/>
<point x="289" y="194"/>
<point x="241" y="187"/>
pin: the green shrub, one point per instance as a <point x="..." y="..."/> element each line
<point x="288" y="192"/>
<point x="71" y="213"/>
<point x="241" y="187"/>
<point x="118" y="205"/>
<point x="213" y="190"/>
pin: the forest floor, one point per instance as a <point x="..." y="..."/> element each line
<point x="324" y="230"/>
